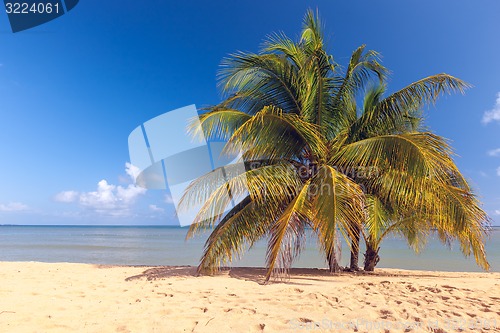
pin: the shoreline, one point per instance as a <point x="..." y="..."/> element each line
<point x="62" y="297"/>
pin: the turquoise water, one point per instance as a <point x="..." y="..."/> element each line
<point x="167" y="246"/>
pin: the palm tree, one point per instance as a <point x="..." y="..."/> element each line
<point x="292" y="113"/>
<point x="417" y="187"/>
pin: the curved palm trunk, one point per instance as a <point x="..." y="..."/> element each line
<point x="333" y="257"/>
<point x="371" y="258"/>
<point x="354" y="266"/>
<point x="333" y="264"/>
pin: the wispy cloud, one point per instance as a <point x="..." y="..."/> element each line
<point x="13" y="207"/>
<point x="155" y="208"/>
<point x="107" y="199"/>
<point x="498" y="171"/>
<point x="493" y="114"/>
<point x="66" y="196"/>
<point x="497" y="212"/>
<point x="494" y="152"/>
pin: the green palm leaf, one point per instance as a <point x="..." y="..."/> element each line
<point x="286" y="233"/>
<point x="336" y="203"/>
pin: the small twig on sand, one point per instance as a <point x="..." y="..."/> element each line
<point x="209" y="321"/>
<point x="6" y="312"/>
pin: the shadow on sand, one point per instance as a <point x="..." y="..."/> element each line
<point x="256" y="274"/>
<point x="162" y="272"/>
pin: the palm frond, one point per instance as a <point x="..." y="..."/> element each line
<point x="219" y="124"/>
<point x="378" y="220"/>
<point x="280" y="43"/>
<point x="269" y="77"/>
<point x="406" y="103"/>
<point x="240" y="229"/>
<point x="286" y="233"/>
<point x="272" y="134"/>
<point x="418" y="153"/>
<point x="336" y="203"/>
<point x="271" y="183"/>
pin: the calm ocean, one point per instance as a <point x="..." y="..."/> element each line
<point x="167" y="246"/>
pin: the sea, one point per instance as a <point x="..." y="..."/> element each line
<point x="167" y="245"/>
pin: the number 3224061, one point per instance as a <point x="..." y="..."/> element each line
<point x="35" y="8"/>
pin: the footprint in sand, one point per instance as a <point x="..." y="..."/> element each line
<point x="252" y="311"/>
<point x="122" y="329"/>
<point x="433" y="289"/>
<point x="306" y="320"/>
<point x="300" y="291"/>
<point x="448" y="287"/>
<point x="414" y="302"/>
<point x="386" y="314"/>
<point x="312" y="296"/>
<point x="411" y="288"/>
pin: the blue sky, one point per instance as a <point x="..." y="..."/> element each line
<point x="73" y="89"/>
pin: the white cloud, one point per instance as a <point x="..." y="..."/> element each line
<point x="132" y="171"/>
<point x="155" y="208"/>
<point x="497" y="212"/>
<point x="493" y="114"/>
<point x="111" y="197"/>
<point x="66" y="196"/>
<point x="13" y="207"/>
<point x="494" y="152"/>
<point x="107" y="199"/>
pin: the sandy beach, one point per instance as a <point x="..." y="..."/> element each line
<point x="63" y="297"/>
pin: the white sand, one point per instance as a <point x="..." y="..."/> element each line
<point x="42" y="297"/>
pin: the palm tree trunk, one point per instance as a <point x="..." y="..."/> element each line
<point x="354" y="266"/>
<point x="333" y="256"/>
<point x="371" y="258"/>
<point x="333" y="264"/>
